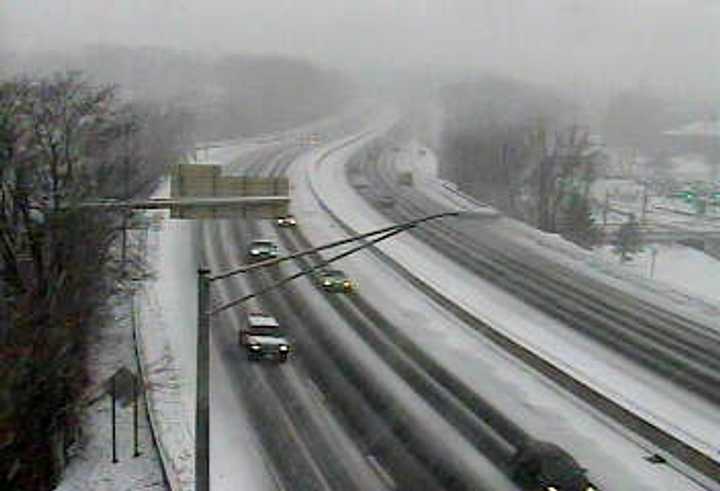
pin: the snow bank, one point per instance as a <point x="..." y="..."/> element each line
<point x="168" y="414"/>
<point x="166" y="313"/>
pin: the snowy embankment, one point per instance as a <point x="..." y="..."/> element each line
<point x="91" y="467"/>
<point x="166" y="356"/>
<point x="685" y="277"/>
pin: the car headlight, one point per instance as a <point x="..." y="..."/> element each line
<point x="254" y="252"/>
<point x="254" y="346"/>
<point x="347" y="284"/>
<point x="327" y="283"/>
<point x="284" y="347"/>
<point x="551" y="488"/>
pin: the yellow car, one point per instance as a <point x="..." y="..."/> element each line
<point x="336" y="281"/>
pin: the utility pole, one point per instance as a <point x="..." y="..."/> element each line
<point x="126" y="191"/>
<point x="505" y="162"/>
<point x="644" y="203"/>
<point x="202" y="399"/>
<point x="654" y="252"/>
<point x="714" y="154"/>
<point x="606" y="207"/>
<point x="113" y="393"/>
<point x="136" y="389"/>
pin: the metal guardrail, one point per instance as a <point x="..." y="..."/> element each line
<point x="172" y="481"/>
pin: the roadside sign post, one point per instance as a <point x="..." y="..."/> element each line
<point x="654" y="252"/>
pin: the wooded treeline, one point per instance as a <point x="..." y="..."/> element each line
<point x="516" y="147"/>
<point x="64" y="142"/>
<point x="228" y="95"/>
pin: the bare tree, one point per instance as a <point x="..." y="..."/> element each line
<point x="62" y="143"/>
<point x="566" y="168"/>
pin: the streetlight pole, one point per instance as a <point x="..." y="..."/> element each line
<point x="654" y="252"/>
<point x="202" y="389"/>
<point x="202" y="409"/>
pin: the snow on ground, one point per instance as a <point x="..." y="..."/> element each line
<point x="604" y="267"/>
<point x="169" y="388"/>
<point x="704" y="128"/>
<point x="676" y="266"/>
<point x="687" y="276"/>
<point x="616" y="458"/>
<point x="91" y="467"/>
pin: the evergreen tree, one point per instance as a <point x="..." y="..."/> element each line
<point x="628" y="240"/>
<point x="578" y="223"/>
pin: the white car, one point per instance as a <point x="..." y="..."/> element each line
<point x="262" y="249"/>
<point x="286" y="221"/>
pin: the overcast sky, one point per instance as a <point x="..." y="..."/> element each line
<point x="615" y="42"/>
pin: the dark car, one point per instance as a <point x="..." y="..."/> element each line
<point x="543" y="466"/>
<point x="334" y="280"/>
<point x="261" y="249"/>
<point x="263" y="337"/>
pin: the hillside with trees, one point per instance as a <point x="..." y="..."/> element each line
<point x="228" y="96"/>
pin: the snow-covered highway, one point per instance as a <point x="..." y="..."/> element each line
<point x="614" y="457"/>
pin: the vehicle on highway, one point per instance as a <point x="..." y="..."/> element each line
<point x="263" y="337"/>
<point x="335" y="280"/>
<point x="544" y="466"/>
<point x="286" y="221"/>
<point x="311" y="139"/>
<point x="260" y="249"/>
<point x="385" y="201"/>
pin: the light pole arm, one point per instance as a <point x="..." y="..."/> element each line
<point x="354" y="238"/>
<point x="395" y="230"/>
<point x="202" y="412"/>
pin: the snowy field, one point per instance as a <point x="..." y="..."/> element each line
<point x="679" y="267"/>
